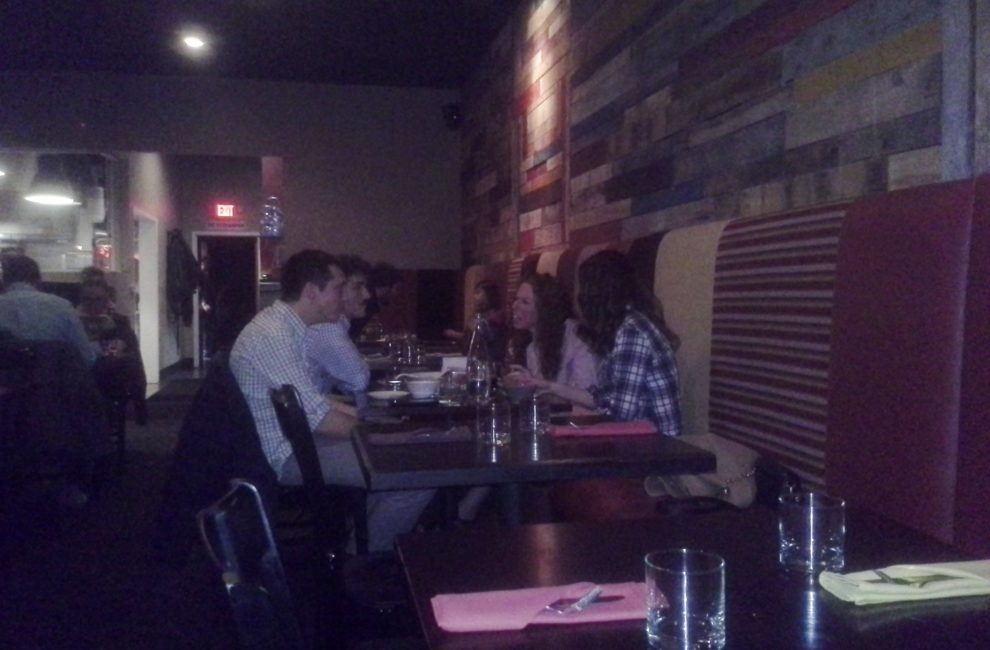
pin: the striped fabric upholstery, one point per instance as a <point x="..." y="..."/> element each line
<point x="771" y="326"/>
<point x="514" y="277"/>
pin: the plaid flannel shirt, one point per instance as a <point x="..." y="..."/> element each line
<point x="638" y="378"/>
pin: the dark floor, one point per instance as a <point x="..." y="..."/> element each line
<point x="86" y="578"/>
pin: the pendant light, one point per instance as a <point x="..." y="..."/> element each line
<point x="51" y="185"/>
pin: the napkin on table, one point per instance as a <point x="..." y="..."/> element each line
<point x="514" y="609"/>
<point x="639" y="427"/>
<point x="866" y="587"/>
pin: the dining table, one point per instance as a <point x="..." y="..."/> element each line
<point x="442" y="450"/>
<point x="766" y="606"/>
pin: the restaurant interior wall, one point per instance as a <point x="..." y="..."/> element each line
<point x="371" y="170"/>
<point x="606" y="120"/>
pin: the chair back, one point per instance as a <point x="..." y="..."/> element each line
<point x="239" y="539"/>
<point x="329" y="506"/>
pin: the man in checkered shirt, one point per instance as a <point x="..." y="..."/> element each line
<point x="270" y="352"/>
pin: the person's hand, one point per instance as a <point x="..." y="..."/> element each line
<point x="519" y="376"/>
<point x="339" y="421"/>
<point x="453" y="334"/>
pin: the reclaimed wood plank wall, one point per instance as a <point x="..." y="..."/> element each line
<point x="596" y="120"/>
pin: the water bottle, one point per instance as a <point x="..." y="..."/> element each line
<point x="479" y="372"/>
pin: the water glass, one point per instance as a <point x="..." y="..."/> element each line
<point x="452" y="388"/>
<point x="685" y="599"/>
<point x="478" y="381"/>
<point x="494" y="422"/>
<point x="812" y="532"/>
<point x="534" y="415"/>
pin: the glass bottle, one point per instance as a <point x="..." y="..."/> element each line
<point x="479" y="370"/>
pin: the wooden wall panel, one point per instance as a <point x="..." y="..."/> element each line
<point x="594" y="119"/>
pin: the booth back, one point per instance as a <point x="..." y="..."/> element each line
<point x="847" y="342"/>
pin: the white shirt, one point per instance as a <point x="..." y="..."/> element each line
<point x="336" y="360"/>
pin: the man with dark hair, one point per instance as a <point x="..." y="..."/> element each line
<point x="28" y="313"/>
<point x="270" y="352"/>
<point x="337" y="363"/>
<point x="383" y="284"/>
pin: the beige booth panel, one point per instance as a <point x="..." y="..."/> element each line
<point x="548" y="262"/>
<point x="684" y="283"/>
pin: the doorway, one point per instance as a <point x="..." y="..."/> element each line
<point x="228" y="298"/>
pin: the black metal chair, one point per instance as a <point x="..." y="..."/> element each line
<point x="239" y="539"/>
<point x="372" y="581"/>
<point x="331" y="506"/>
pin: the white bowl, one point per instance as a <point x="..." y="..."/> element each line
<point x="422" y="388"/>
<point x="435" y="375"/>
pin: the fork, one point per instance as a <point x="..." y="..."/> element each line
<point x="919" y="581"/>
<point x="577" y="605"/>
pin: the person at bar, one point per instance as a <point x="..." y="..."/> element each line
<point x="270" y="352"/>
<point x="337" y="363"/>
<point x="620" y="322"/>
<point x="542" y="309"/>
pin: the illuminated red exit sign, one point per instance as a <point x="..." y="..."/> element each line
<point x="225" y="210"/>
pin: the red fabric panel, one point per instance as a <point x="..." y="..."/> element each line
<point x="896" y="354"/>
<point x="973" y="479"/>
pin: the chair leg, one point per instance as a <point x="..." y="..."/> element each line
<point x="118" y="429"/>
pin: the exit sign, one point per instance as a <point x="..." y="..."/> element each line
<point x="225" y="210"/>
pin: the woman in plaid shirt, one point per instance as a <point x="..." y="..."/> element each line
<point x="622" y="323"/>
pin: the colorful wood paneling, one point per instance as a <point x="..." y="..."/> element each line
<point x="597" y="119"/>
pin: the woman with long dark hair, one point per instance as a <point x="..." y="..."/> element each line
<point x="555" y="354"/>
<point x="637" y="379"/>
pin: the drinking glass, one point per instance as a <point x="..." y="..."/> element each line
<point x="685" y="599"/>
<point x="534" y="415"/>
<point x="478" y="381"/>
<point x="452" y="387"/>
<point x="494" y="422"/>
<point x="812" y="532"/>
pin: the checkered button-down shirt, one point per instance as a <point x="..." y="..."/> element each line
<point x="267" y="354"/>
<point x="637" y="380"/>
<point x="335" y="359"/>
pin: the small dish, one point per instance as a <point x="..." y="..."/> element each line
<point x="387" y="395"/>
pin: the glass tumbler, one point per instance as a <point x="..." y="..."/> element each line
<point x="685" y="599"/>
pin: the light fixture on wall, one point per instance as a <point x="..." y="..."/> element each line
<point x="51" y="185"/>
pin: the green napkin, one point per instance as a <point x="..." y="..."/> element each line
<point x="906" y="582"/>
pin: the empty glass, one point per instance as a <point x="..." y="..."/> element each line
<point x="812" y="532"/>
<point x="494" y="422"/>
<point x="534" y="415"/>
<point x="453" y="384"/>
<point x="685" y="599"/>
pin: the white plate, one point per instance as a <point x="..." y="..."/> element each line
<point x="387" y="394"/>
<point x="420" y="375"/>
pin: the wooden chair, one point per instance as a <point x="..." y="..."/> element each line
<point x="239" y="539"/>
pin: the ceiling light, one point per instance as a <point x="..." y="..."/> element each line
<point x="193" y="42"/>
<point x="2" y="173"/>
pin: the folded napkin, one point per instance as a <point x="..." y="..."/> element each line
<point x="419" y="436"/>
<point x="516" y="608"/>
<point x="639" y="427"/>
<point x="921" y="582"/>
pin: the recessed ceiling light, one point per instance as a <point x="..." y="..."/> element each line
<point x="193" y="42"/>
<point x="2" y="173"/>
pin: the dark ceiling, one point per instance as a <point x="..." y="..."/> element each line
<point x="428" y="43"/>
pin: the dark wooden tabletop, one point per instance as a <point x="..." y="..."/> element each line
<point x="464" y="461"/>
<point x="765" y="606"/>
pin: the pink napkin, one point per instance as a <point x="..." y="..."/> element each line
<point x="639" y="427"/>
<point x="514" y="609"/>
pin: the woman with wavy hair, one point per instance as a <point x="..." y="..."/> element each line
<point x="621" y="322"/>
<point x="556" y="354"/>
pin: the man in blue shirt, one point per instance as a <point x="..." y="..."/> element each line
<point x="32" y="315"/>
<point x="337" y="363"/>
